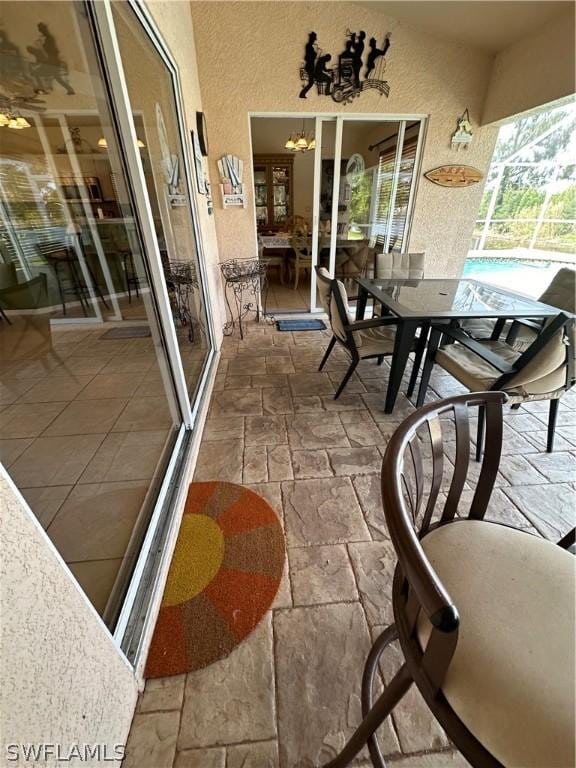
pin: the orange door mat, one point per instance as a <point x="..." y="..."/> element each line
<point x="224" y="575"/>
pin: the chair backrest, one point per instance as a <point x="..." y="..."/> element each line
<point x="334" y="300"/>
<point x="410" y="497"/>
<point x="30" y="294"/>
<point x="399" y="266"/>
<point x="53" y="250"/>
<point x="547" y="365"/>
<point x="8" y="276"/>
<point x="561" y="292"/>
<point x="302" y="247"/>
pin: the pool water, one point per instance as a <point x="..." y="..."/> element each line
<point x="529" y="278"/>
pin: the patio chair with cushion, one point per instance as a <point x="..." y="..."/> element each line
<point x="561" y="293"/>
<point x="362" y="339"/>
<point x="544" y="371"/>
<point x="399" y="266"/>
<point x="483" y="612"/>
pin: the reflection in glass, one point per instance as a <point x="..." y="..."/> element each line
<point x="155" y="118"/>
<point x="88" y="416"/>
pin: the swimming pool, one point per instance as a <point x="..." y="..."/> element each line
<point x="527" y="277"/>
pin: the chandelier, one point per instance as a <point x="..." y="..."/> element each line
<point x="299" y="143"/>
<point x="13" y="120"/>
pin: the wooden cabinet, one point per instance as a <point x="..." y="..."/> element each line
<point x="273" y="192"/>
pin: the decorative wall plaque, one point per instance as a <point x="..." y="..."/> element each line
<point x="454" y="175"/>
<point x="345" y="76"/>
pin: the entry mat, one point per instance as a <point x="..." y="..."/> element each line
<point x="226" y="569"/>
<point x="300" y="325"/>
<point x="127" y="332"/>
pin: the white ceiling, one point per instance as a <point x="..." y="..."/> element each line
<point x="489" y="25"/>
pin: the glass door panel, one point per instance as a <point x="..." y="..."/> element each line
<point x="89" y="416"/>
<point x="155" y="118"/>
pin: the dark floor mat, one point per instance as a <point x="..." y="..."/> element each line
<point x="300" y="325"/>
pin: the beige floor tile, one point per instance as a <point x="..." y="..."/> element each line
<point x="355" y="461"/>
<point x="143" y="413"/>
<point x="86" y="417"/>
<point x="56" y="388"/>
<point x="96" y="577"/>
<point x="310" y="384"/>
<point x="320" y="652"/>
<point x="54" y="460"/>
<point x="114" y="385"/>
<point x="279" y="463"/>
<point x="247" y="366"/>
<point x="374" y="564"/>
<point x="321" y="575"/>
<point x="122" y="364"/>
<point x="201" y="758"/>
<point x="316" y="430"/>
<point x="127" y="456"/>
<point x="247" y="711"/>
<point x="163" y="694"/>
<point x="152" y="740"/>
<point x="309" y="464"/>
<point x="220" y="460"/>
<point x="272" y="493"/>
<point x="255" y="467"/>
<point x="12" y="389"/>
<point x="236" y="402"/>
<point x="322" y="512"/>
<point x="223" y="429"/>
<point x="259" y="755"/>
<point x="11" y="449"/>
<point x="265" y="430"/>
<point x="277" y="401"/>
<point x="97" y="520"/>
<point x="28" y="420"/>
<point x="80" y="366"/>
<point x="45" y="502"/>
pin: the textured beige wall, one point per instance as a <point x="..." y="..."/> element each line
<point x="537" y="70"/>
<point x="62" y="680"/>
<point x="248" y="60"/>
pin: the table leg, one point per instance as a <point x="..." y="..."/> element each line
<point x="361" y="303"/>
<point x="405" y="335"/>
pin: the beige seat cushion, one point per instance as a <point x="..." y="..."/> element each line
<point x="543" y="376"/>
<point x="511" y="680"/>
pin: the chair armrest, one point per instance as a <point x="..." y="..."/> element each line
<point x="477" y="347"/>
<point x="375" y="322"/>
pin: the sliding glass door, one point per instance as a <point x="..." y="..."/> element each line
<point x="104" y="333"/>
<point x="363" y="193"/>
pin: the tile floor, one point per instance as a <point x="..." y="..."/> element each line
<point x="288" y="696"/>
<point x="85" y="427"/>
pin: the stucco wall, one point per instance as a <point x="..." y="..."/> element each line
<point x="537" y="70"/>
<point x="249" y="56"/>
<point x="62" y="680"/>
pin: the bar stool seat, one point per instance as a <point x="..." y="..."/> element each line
<point x="511" y="679"/>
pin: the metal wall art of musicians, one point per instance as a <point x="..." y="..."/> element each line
<point x="359" y="67"/>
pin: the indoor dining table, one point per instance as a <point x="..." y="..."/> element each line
<point x="417" y="303"/>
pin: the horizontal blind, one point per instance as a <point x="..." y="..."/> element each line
<point x="386" y="162"/>
<point x="32" y="213"/>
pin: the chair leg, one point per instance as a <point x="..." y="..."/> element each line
<point x="392" y="694"/>
<point x="480" y="432"/>
<point x="515" y="406"/>
<point x="344" y="381"/>
<point x="418" y="355"/>
<point x="552" y="416"/>
<point x="380" y="359"/>
<point x="328" y="352"/>
<point x="428" y="365"/>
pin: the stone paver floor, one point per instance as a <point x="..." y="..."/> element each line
<point x="288" y="696"/>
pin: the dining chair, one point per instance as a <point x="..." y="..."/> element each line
<point x="543" y="371"/>
<point x="399" y="266"/>
<point x="302" y="258"/>
<point x="483" y="612"/>
<point x="560" y="293"/>
<point x="362" y="339"/>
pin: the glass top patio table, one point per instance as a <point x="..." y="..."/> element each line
<point x="448" y="299"/>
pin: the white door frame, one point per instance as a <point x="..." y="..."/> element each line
<point x="101" y="15"/>
<point x="340" y="118"/>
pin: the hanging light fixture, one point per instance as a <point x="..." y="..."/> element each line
<point x="13" y="120"/>
<point x="299" y="143"/>
<point x="104" y="144"/>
